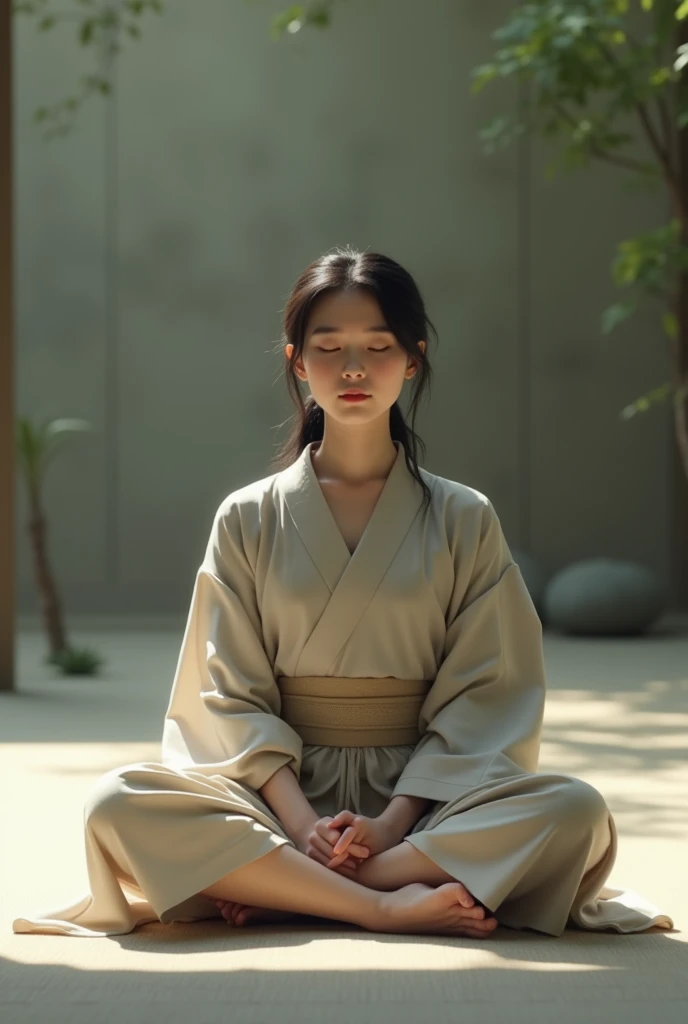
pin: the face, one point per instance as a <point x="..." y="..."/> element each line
<point x="347" y="344"/>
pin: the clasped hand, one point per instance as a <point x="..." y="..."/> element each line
<point x="362" y="837"/>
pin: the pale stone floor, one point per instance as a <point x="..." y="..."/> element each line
<point x="617" y="717"/>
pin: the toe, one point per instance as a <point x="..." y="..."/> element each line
<point x="464" y="897"/>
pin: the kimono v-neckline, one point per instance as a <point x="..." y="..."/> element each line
<point x="314" y="478"/>
<point x="351" y="578"/>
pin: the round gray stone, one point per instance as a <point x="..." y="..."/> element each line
<point x="604" y="597"/>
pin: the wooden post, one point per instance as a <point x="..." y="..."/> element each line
<point x="6" y="357"/>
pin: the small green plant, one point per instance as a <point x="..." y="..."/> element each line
<point x="76" y="661"/>
<point x="36" y="447"/>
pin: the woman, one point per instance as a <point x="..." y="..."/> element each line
<point x="354" y="724"/>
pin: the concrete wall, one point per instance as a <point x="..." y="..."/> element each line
<point x="156" y="246"/>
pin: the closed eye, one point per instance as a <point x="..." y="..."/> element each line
<point x="337" y="350"/>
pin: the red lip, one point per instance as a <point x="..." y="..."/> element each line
<point x="355" y="397"/>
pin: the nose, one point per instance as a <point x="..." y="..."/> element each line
<point x="353" y="367"/>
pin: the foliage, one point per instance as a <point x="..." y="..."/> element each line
<point x="76" y="661"/>
<point x="588" y="67"/>
<point x="588" y="71"/>
<point x="316" y="14"/>
<point x="98" y="24"/>
<point x="36" y="446"/>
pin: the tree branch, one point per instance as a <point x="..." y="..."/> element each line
<point x="665" y="118"/>
<point x="642" y="112"/>
<point x="596" y="151"/>
<point x="655" y="141"/>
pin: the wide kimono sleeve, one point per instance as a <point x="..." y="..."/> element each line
<point x="482" y="717"/>
<point x="223" y="716"/>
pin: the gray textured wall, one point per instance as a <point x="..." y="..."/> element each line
<point x="156" y="246"/>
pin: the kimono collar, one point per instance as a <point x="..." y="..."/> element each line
<point x="352" y="579"/>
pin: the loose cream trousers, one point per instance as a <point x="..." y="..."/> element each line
<point x="535" y="849"/>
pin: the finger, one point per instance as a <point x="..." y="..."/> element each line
<point x="351" y="860"/>
<point x="326" y="848"/>
<point x="326" y="857"/>
<point x="322" y="846"/>
<point x="323" y="829"/>
<point x="347" y="837"/>
<point x="321" y="858"/>
<point x="339" y="859"/>
<point x="357" y="850"/>
<point x="342" y="818"/>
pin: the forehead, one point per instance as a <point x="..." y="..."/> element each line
<point x="352" y="310"/>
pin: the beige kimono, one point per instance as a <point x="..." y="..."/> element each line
<point x="432" y="597"/>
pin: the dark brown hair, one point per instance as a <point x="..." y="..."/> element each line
<point x="399" y="298"/>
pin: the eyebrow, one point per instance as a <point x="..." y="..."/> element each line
<point x="325" y="329"/>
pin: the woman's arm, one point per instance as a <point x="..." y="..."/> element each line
<point x="285" y="797"/>
<point x="402" y="813"/>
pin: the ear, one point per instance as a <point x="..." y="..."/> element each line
<point x="415" y="361"/>
<point x="300" y="370"/>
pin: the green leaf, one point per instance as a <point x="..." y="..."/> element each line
<point x="644" y="403"/>
<point x="319" y="16"/>
<point x="482" y="75"/>
<point x="651" y="259"/>
<point x="37" y="445"/>
<point x="682" y="10"/>
<point x="615" y="314"/>
<point x="682" y="58"/>
<point x="59" y="428"/>
<point x="660" y="76"/>
<point x="290" y="20"/>
<point x="670" y="324"/>
<point x="86" y="31"/>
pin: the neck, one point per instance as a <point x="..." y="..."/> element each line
<point x="353" y="464"/>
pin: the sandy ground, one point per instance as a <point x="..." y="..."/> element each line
<point x="617" y="717"/>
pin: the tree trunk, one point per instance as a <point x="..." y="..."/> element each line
<point x="681" y="309"/>
<point x="681" y="369"/>
<point x="52" y="614"/>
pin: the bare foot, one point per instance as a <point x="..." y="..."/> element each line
<point x="447" y="910"/>
<point x="242" y="913"/>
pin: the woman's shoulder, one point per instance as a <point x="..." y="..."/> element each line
<point x="455" y="494"/>
<point x="249" y="498"/>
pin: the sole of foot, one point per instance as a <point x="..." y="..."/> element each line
<point x="238" y="914"/>
<point x="448" y="909"/>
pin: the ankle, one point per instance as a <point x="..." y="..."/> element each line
<point x="373" y="916"/>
